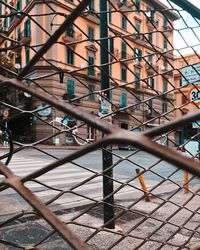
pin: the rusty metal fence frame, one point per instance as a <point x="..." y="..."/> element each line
<point x="144" y="141"/>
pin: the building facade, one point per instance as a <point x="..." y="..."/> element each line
<point x="141" y="63"/>
<point x="186" y="98"/>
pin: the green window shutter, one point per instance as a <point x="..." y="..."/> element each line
<point x="138" y="54"/>
<point x="123" y="50"/>
<point x="150" y="104"/>
<point x="19" y="5"/>
<point x="111" y="44"/>
<point x="123" y="74"/>
<point x="70" y="88"/>
<point x="0" y="8"/>
<point x="91" y="34"/>
<point x="164" y="107"/>
<point x="27" y="51"/>
<point x="137" y="26"/>
<point x="110" y="70"/>
<point x="165" y="22"/>
<point x="70" y="56"/>
<point x="123" y="100"/>
<point x="91" y="7"/>
<point x="110" y="93"/>
<point x="19" y="34"/>
<point x="110" y="16"/>
<point x="27" y="2"/>
<point x="165" y="43"/>
<point x="150" y="82"/>
<point x="124" y="23"/>
<point x="91" y="62"/>
<point x="125" y="2"/>
<point x="137" y="80"/>
<point x="137" y="5"/>
<point x="91" y="89"/>
<point x="165" y="85"/>
<point x="27" y="28"/>
<point x="150" y="36"/>
<point x="70" y="31"/>
<point x="150" y="59"/>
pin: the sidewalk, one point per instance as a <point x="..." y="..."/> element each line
<point x="66" y="147"/>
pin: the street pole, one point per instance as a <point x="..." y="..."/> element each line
<point x="108" y="206"/>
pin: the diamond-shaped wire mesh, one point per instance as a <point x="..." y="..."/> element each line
<point x="99" y="124"/>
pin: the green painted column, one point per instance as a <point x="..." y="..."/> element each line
<point x="107" y="158"/>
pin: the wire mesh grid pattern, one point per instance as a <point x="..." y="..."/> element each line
<point x="101" y="76"/>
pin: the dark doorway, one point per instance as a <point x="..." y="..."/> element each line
<point x="20" y="128"/>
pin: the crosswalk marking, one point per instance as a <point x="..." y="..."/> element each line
<point x="64" y="178"/>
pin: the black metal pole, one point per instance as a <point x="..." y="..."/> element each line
<point x="108" y="207"/>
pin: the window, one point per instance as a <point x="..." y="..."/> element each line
<point x="70" y="88"/>
<point x="111" y="45"/>
<point x="124" y="23"/>
<point x="19" y="5"/>
<point x="91" y="96"/>
<point x="27" y="2"/>
<point x="165" y="22"/>
<point x="70" y="56"/>
<point x="165" y="65"/>
<point x="91" y="34"/>
<point x="150" y="36"/>
<point x="70" y="31"/>
<point x="164" y="107"/>
<point x="27" y="52"/>
<point x="110" y="16"/>
<point x="6" y="21"/>
<point x="165" y="43"/>
<point x="0" y="8"/>
<point x="137" y="27"/>
<point x="138" y="102"/>
<point x="123" y="74"/>
<point x="138" y="54"/>
<point x="91" y="7"/>
<point x="110" y="70"/>
<point x="27" y="28"/>
<point x="137" y="5"/>
<point x="18" y="59"/>
<point x="165" y="87"/>
<point x="91" y="71"/>
<point x="150" y="82"/>
<point x="150" y="105"/>
<point x="123" y="100"/>
<point x="150" y="15"/>
<point x="137" y="79"/>
<point x="150" y="59"/>
<point x="18" y="34"/>
<point x="123" y="50"/>
<point x="110" y="93"/>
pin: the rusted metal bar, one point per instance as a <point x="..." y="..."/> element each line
<point x="14" y="182"/>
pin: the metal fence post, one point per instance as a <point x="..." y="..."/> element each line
<point x="108" y="208"/>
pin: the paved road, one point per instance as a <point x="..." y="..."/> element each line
<point x="126" y="165"/>
<point x="85" y="169"/>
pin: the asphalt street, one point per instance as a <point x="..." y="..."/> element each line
<point x="125" y="163"/>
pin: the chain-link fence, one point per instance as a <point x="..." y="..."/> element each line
<point x="99" y="108"/>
